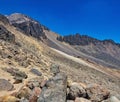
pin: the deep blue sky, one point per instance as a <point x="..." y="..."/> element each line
<point x="96" y="18"/>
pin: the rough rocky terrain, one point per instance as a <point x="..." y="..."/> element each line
<point x="31" y="71"/>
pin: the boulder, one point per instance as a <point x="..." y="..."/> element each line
<point x="55" y="89"/>
<point x="76" y="90"/>
<point x="5" y="85"/>
<point x="81" y="100"/>
<point x="96" y="93"/>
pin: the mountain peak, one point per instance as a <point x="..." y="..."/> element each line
<point x="28" y="25"/>
<point x="19" y="18"/>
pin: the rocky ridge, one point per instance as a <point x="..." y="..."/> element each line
<point x="104" y="50"/>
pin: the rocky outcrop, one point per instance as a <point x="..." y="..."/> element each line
<point x="6" y="35"/>
<point x="27" y="25"/>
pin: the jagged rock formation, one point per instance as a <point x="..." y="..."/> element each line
<point x="106" y="50"/>
<point x="27" y="25"/>
<point x="83" y="40"/>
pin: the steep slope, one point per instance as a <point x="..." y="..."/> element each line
<point x="26" y="53"/>
<point x="105" y="52"/>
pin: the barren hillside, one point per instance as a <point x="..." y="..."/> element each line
<point x="20" y="53"/>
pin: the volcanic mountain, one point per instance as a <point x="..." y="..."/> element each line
<point x="105" y="52"/>
<point x="28" y="49"/>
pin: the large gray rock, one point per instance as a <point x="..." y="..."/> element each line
<point x="55" y="89"/>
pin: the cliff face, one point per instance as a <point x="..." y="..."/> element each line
<point x="27" y="25"/>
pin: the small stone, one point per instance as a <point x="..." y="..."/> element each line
<point x="36" y="72"/>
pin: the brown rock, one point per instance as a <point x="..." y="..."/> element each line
<point x="97" y="93"/>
